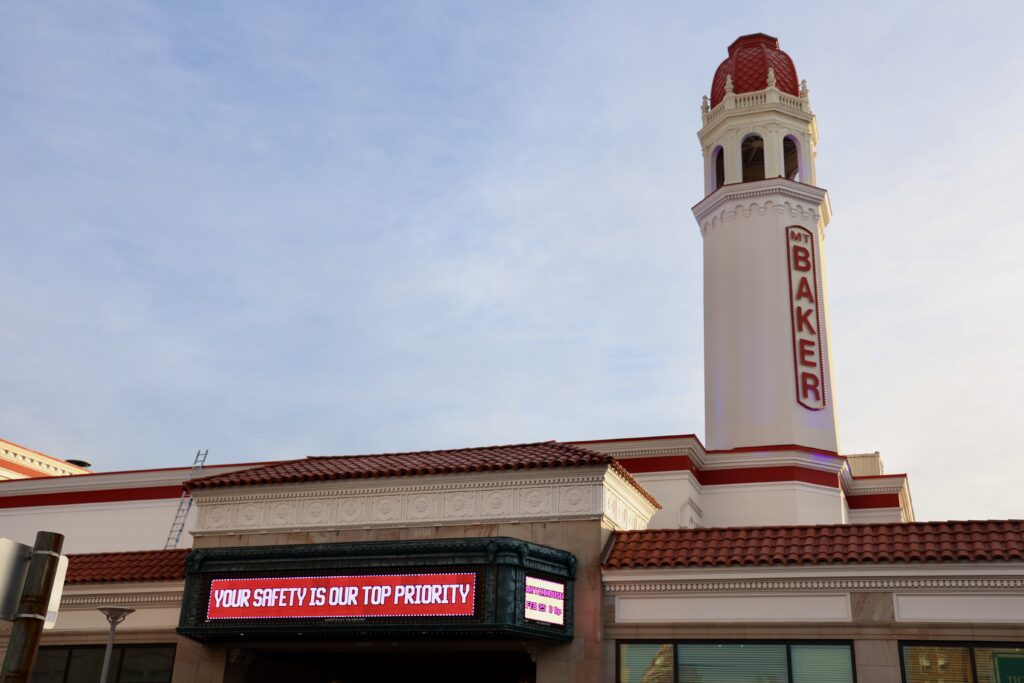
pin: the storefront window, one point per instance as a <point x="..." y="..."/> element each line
<point x="954" y="663"/>
<point x="821" y="663"/>
<point x="999" y="664"/>
<point x="731" y="663"/>
<point x="646" y="663"/>
<point x="128" y="664"/>
<point x="749" y="662"/>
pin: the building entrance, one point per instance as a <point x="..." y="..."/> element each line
<point x="381" y="664"/>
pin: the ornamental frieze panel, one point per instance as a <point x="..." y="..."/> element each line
<point x="453" y="502"/>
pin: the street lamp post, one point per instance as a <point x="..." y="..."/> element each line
<point x="115" y="615"/>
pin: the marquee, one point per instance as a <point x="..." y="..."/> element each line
<point x="473" y="588"/>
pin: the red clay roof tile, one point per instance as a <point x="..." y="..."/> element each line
<point x="982" y="541"/>
<point x="748" y="62"/>
<point x="145" y="565"/>
<point x="546" y="454"/>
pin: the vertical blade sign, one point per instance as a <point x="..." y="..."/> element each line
<point x="805" y="309"/>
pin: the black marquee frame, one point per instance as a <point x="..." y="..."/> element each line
<point x="501" y="565"/>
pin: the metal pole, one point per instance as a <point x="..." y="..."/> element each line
<point x="115" y="615"/>
<point x="23" y="644"/>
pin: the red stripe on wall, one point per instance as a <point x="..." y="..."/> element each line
<point x="742" y="475"/>
<point x="874" y="500"/>
<point x="777" y="447"/>
<point x="21" y="469"/>
<point x="663" y="463"/>
<point x="760" y="475"/>
<point x="100" y="496"/>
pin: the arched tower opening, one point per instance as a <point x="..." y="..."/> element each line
<point x="791" y="158"/>
<point x="718" y="167"/>
<point x="752" y="157"/>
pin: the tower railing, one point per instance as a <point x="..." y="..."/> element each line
<point x="759" y="98"/>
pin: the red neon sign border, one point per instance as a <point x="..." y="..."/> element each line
<point x="817" y="315"/>
<point x="472" y="602"/>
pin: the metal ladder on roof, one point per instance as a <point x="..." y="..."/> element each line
<point x="184" y="504"/>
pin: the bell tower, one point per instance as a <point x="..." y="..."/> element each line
<point x="767" y="372"/>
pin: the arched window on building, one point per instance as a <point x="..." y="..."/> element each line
<point x="719" y="163"/>
<point x="791" y="158"/>
<point x="752" y="156"/>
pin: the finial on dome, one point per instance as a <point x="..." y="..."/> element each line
<point x="771" y="77"/>
<point x="704" y="105"/>
<point x="728" y="83"/>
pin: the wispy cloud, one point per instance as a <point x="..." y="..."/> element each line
<point x="276" y="231"/>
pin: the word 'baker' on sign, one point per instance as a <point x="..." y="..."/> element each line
<point x="804" y="304"/>
<point x="304" y="597"/>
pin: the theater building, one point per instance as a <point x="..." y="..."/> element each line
<point x="759" y="555"/>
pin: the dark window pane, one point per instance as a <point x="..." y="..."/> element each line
<point x="927" y="664"/>
<point x="821" y="663"/>
<point x="732" y="663"/>
<point x="147" y="664"/>
<point x="50" y="665"/>
<point x="998" y="664"/>
<point x="752" y="153"/>
<point x="645" y="663"/>
<point x="85" y="665"/>
<point x="790" y="159"/>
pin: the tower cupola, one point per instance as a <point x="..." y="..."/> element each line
<point x="758" y="122"/>
<point x="747" y="65"/>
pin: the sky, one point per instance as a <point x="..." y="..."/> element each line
<point x="284" y="229"/>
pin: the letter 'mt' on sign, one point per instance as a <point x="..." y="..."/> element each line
<point x="805" y="307"/>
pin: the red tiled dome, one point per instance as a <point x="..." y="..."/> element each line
<point x="748" y="62"/>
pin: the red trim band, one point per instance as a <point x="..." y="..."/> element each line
<point x="873" y="500"/>
<point x="22" y="469"/>
<point x="739" y="475"/>
<point x="778" y="447"/>
<point x="83" y="497"/>
<point x="663" y="463"/>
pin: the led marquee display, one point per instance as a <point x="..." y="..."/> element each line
<point x="305" y="597"/>
<point x="545" y="601"/>
<point x="425" y="589"/>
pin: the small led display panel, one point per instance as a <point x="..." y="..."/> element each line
<point x="545" y="601"/>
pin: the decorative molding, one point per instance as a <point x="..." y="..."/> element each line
<point x="743" y="200"/>
<point x="43" y="464"/>
<point x="93" y="600"/>
<point x="648" y="452"/>
<point x="950" y="584"/>
<point x="90" y="483"/>
<point x="430" y="500"/>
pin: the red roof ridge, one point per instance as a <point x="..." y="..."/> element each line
<point x="536" y="455"/>
<point x="936" y="541"/>
<point x="433" y="451"/>
<point x="127" y="566"/>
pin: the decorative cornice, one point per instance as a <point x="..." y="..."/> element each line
<point x="88" y="483"/>
<point x="44" y="464"/>
<point x="92" y="600"/>
<point x="649" y="452"/>
<point x="429" y="500"/>
<point x="810" y="585"/>
<point x="810" y="204"/>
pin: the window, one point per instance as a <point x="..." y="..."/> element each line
<point x="752" y="155"/>
<point x="735" y="662"/>
<point x="646" y="663"/>
<point x="83" y="664"/>
<point x="962" y="663"/>
<point x="719" y="157"/>
<point x="791" y="158"/>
